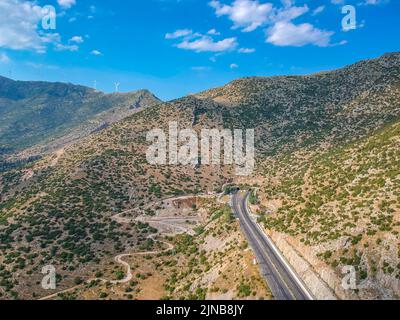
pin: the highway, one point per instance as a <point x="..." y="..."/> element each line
<point x="282" y="280"/>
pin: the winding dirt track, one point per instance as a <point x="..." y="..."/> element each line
<point x="119" y="259"/>
<point x="129" y="275"/>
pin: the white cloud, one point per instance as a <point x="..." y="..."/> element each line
<point x="251" y="14"/>
<point x="66" y="4"/>
<point x="284" y="32"/>
<point x="194" y="41"/>
<point x="246" y="50"/>
<point x="289" y="13"/>
<point x="213" y="32"/>
<point x="76" y="39"/>
<point x="245" y="14"/>
<point x="374" y="2"/>
<point x="4" y="58"/>
<point x="248" y="15"/>
<point x="287" y="3"/>
<point x="62" y="47"/>
<point x="287" y="34"/>
<point x="96" y="53"/>
<point x="318" y="10"/>
<point x="178" y="34"/>
<point x="207" y="44"/>
<point x="233" y="66"/>
<point x="362" y="3"/>
<point x="19" y="22"/>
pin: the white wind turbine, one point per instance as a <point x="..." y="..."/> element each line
<point x="117" y="84"/>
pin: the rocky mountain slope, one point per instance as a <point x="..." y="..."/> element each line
<point x="320" y="141"/>
<point x="53" y="114"/>
<point x="292" y="112"/>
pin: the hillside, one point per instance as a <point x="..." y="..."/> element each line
<point x="327" y="170"/>
<point x="292" y="112"/>
<point x="212" y="261"/>
<point x="343" y="204"/>
<point x="44" y="113"/>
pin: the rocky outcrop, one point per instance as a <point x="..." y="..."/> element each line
<point x="321" y="280"/>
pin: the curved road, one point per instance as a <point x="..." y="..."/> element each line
<point x="283" y="282"/>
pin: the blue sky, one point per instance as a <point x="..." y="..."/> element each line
<point x="177" y="47"/>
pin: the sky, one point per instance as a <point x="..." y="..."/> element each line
<point x="177" y="47"/>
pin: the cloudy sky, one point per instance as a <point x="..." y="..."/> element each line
<point x="176" y="47"/>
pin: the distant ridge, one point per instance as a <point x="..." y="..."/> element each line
<point x="37" y="112"/>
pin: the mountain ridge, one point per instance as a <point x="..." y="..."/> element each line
<point x="34" y="112"/>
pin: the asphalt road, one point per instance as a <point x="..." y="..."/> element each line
<point x="283" y="282"/>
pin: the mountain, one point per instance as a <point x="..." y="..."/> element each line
<point x="327" y="176"/>
<point x="44" y="113"/>
<point x="338" y="105"/>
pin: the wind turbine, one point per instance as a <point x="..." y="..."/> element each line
<point x="116" y="86"/>
<point x="95" y="85"/>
